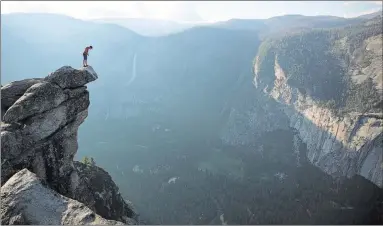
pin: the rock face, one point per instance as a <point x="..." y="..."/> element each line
<point x="14" y="90"/>
<point x="39" y="133"/>
<point x="96" y="187"/>
<point x="68" y="77"/>
<point x="341" y="146"/>
<point x="343" y="138"/>
<point x="27" y="199"/>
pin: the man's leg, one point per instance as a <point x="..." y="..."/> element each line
<point x="85" y="63"/>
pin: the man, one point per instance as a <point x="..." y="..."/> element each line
<point x="85" y="54"/>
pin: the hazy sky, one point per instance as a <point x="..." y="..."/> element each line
<point x="192" y="11"/>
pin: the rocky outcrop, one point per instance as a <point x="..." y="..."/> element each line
<point x="96" y="187"/>
<point x="340" y="145"/>
<point x="39" y="133"/>
<point x="14" y="90"/>
<point x="329" y="85"/>
<point x="27" y="199"/>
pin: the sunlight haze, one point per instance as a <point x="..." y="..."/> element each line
<point x="191" y="11"/>
<point x="191" y="113"/>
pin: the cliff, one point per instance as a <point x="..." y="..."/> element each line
<point x="329" y="85"/>
<point x="40" y="120"/>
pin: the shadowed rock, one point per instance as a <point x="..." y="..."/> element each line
<point x="45" y="134"/>
<point x="105" y="197"/>
<point x="27" y="199"/>
<point x="38" y="98"/>
<point x="14" y="90"/>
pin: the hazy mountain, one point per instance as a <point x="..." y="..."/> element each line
<point x="148" y="27"/>
<point x="188" y="137"/>
<point x="162" y="64"/>
<point x="43" y="42"/>
<point x="371" y="15"/>
<point x="152" y="27"/>
<point x="287" y="23"/>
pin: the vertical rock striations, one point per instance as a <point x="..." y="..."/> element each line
<point x="329" y="85"/>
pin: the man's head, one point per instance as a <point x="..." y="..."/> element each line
<point x="91" y="47"/>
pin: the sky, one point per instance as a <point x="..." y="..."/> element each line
<point x="192" y="11"/>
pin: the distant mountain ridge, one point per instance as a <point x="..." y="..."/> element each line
<point x="371" y="15"/>
<point x="155" y="27"/>
<point x="287" y="23"/>
<point x="148" y="27"/>
<point x="206" y="84"/>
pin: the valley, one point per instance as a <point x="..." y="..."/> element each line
<point x="219" y="124"/>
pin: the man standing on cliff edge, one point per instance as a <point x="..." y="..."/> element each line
<point x="85" y="54"/>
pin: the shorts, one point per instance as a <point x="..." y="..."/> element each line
<point x="85" y="56"/>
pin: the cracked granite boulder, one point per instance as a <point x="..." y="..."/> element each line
<point x="68" y="77"/>
<point x="27" y="199"/>
<point x="39" y="133"/>
<point x="14" y="90"/>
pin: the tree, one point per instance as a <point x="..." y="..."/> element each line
<point x="86" y="160"/>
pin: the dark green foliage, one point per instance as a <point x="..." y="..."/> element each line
<point x="310" y="65"/>
<point x="193" y="74"/>
<point x="266" y="61"/>
<point x="362" y="97"/>
<point x="355" y="36"/>
<point x="258" y="198"/>
<point x="316" y="62"/>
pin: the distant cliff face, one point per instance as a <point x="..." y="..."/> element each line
<point x="329" y="85"/>
<point x="40" y="120"/>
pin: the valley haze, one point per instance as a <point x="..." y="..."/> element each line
<point x="186" y="118"/>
